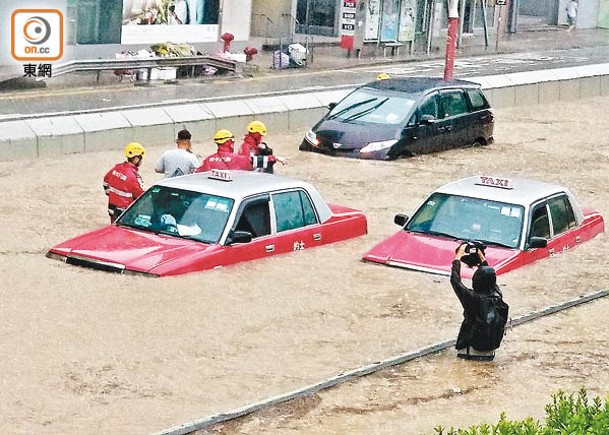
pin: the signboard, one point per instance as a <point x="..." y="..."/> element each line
<point x="373" y="20"/>
<point x="408" y="20"/>
<point x="347" y="23"/>
<point x="500" y="2"/>
<point x="152" y="21"/>
<point x="390" y="20"/>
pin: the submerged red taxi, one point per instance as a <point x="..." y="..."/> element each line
<point x="520" y="220"/>
<point x="202" y="221"/>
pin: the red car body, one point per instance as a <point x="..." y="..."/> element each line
<point x="267" y="205"/>
<point x="526" y="220"/>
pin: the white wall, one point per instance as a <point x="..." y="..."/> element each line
<point x="236" y="18"/>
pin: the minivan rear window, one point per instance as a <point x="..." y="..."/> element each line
<point x="476" y="97"/>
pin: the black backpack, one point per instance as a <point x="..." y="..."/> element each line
<point x="488" y="326"/>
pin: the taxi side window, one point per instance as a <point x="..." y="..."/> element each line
<point x="540" y="223"/>
<point x="477" y="99"/>
<point x="454" y="103"/>
<point x="562" y="214"/>
<point x="255" y="217"/>
<point x="293" y="210"/>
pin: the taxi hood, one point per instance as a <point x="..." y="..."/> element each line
<point x="431" y="254"/>
<point x="115" y="248"/>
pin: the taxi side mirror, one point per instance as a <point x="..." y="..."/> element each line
<point x="400" y="219"/>
<point x="537" y="242"/>
<point x="239" y="237"/>
<point x="331" y="106"/>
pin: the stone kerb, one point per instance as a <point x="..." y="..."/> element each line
<point x="233" y="115"/>
<point x="194" y="117"/>
<point x="303" y="110"/>
<point x="150" y="126"/>
<point x="57" y="135"/>
<point x="17" y="141"/>
<point x="104" y="130"/>
<point x="271" y="111"/>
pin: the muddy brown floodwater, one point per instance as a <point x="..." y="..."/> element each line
<point x="90" y="352"/>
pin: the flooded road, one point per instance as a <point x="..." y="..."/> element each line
<point x="91" y="352"/>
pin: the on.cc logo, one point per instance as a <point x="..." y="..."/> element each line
<point x="37" y="34"/>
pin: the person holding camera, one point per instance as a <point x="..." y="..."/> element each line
<point x="484" y="311"/>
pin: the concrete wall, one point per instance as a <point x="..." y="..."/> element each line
<point x="32" y="137"/>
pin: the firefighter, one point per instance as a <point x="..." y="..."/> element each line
<point x="260" y="154"/>
<point x="225" y="157"/>
<point x="123" y="183"/>
<point x="253" y="138"/>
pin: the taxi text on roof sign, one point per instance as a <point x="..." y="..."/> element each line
<point x="503" y="183"/>
<point x="218" y="174"/>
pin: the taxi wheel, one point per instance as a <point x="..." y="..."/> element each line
<point x="478" y="143"/>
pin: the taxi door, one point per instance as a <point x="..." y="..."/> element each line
<point x="254" y="217"/>
<point x="553" y="219"/>
<point x="296" y="226"/>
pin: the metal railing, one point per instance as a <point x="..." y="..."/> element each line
<point x="144" y="63"/>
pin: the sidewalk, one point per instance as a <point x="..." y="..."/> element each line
<point x="325" y="53"/>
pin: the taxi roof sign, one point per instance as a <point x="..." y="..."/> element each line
<point x="502" y="183"/>
<point x="221" y="175"/>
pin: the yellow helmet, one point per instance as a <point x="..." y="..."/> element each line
<point x="256" y="127"/>
<point x="134" y="149"/>
<point x="222" y="136"/>
<point x="383" y="76"/>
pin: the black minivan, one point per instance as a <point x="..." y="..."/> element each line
<point x="386" y="119"/>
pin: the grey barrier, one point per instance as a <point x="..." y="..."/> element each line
<point x="30" y="137"/>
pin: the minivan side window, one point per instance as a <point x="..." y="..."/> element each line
<point x="454" y="103"/>
<point x="477" y="98"/>
<point x="430" y="107"/>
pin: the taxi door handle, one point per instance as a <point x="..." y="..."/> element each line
<point x="317" y="237"/>
<point x="269" y="248"/>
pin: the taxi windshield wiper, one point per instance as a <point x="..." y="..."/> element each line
<point x="365" y="112"/>
<point x="351" y="107"/>
<point x="502" y="245"/>
<point x="434" y="233"/>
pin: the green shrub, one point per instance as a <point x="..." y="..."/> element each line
<point x="568" y="414"/>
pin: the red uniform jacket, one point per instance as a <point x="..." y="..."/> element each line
<point x="123" y="184"/>
<point x="250" y="144"/>
<point x="225" y="158"/>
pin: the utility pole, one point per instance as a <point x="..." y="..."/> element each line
<point x="451" y="39"/>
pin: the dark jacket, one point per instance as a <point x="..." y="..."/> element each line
<point x="484" y="283"/>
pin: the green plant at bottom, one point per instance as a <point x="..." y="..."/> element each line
<point x="567" y="414"/>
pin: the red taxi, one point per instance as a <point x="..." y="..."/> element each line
<point x="202" y="221"/>
<point x="520" y="220"/>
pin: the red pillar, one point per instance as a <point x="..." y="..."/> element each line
<point x="451" y="39"/>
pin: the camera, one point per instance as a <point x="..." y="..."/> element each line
<point x="472" y="258"/>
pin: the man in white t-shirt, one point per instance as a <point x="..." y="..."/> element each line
<point x="180" y="161"/>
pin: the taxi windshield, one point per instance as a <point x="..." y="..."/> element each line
<point x="180" y="213"/>
<point x="369" y="105"/>
<point x="465" y="218"/>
